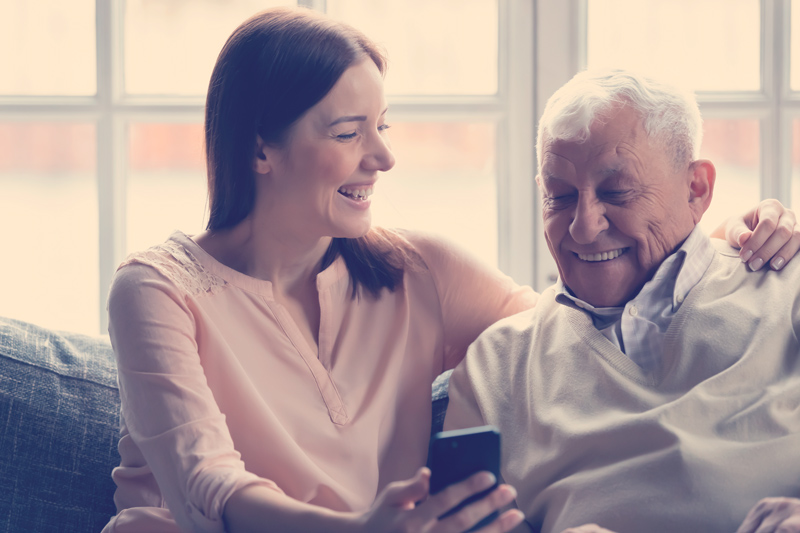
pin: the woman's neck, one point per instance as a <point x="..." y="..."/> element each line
<point x="267" y="252"/>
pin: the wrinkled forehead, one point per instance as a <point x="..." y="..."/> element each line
<point x="615" y="139"/>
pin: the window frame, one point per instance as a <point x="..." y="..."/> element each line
<point x="111" y="110"/>
<point x="561" y="53"/>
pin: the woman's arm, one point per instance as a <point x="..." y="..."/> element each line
<point x="257" y="510"/>
<point x="167" y="406"/>
<point x="768" y="233"/>
<point x="472" y="296"/>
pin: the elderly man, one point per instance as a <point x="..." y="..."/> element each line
<point x="656" y="386"/>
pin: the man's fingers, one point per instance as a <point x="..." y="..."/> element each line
<point x="773" y="515"/>
<point x="587" y="528"/>
<point x="506" y="522"/>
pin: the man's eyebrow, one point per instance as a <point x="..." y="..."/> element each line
<point x="354" y="118"/>
<point x="549" y="176"/>
<point x="611" y="172"/>
<point x="617" y="173"/>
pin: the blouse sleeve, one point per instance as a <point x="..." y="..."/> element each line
<point x="167" y="406"/>
<point x="472" y="295"/>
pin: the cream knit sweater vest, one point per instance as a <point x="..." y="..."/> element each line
<point x="587" y="437"/>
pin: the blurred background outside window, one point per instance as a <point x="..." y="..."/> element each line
<point x="101" y="137"/>
<point x="101" y="107"/>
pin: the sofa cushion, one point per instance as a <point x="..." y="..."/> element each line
<point x="59" y="426"/>
<point x="440" y="401"/>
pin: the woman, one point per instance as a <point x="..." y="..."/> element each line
<point x="275" y="370"/>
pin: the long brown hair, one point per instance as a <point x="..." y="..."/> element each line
<point x="274" y="67"/>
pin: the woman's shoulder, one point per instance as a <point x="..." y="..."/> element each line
<point x="437" y="252"/>
<point x="174" y="260"/>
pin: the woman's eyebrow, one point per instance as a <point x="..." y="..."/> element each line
<point x="354" y="118"/>
<point x="349" y="118"/>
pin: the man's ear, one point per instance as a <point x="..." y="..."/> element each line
<point x="262" y="163"/>
<point x="701" y="186"/>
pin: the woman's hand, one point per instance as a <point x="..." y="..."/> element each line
<point x="395" y="510"/>
<point x="767" y="234"/>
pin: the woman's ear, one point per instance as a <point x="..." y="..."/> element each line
<point x="262" y="163"/>
<point x="701" y="186"/>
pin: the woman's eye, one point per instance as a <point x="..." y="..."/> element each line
<point x="383" y="127"/>
<point x="347" y="136"/>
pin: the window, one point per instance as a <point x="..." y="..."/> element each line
<point x="737" y="55"/>
<point x="101" y="143"/>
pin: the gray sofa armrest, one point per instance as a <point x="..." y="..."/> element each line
<point x="59" y="427"/>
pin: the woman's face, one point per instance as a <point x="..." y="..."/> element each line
<point x="322" y="178"/>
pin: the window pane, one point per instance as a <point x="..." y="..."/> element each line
<point x="48" y="205"/>
<point x="444" y="182"/>
<point x="795" y="46"/>
<point x="166" y="183"/>
<point x="733" y="147"/>
<point x="171" y="45"/>
<point x="704" y="45"/>
<point x="796" y="164"/>
<point x="48" y="47"/>
<point x="441" y="47"/>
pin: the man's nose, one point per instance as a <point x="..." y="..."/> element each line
<point x="589" y="220"/>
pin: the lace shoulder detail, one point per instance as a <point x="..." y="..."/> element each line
<point x="180" y="266"/>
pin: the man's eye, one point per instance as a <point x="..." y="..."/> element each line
<point x="614" y="195"/>
<point x="560" y="201"/>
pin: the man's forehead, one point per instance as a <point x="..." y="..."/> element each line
<point x="606" y="158"/>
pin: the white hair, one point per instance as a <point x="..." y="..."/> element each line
<point x="669" y="114"/>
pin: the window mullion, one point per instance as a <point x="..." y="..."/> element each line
<point x="109" y="150"/>
<point x="783" y="43"/>
<point x="518" y="219"/>
<point x="772" y="82"/>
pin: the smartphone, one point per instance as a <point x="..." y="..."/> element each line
<point x="455" y="455"/>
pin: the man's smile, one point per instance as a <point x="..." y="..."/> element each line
<point x="602" y="256"/>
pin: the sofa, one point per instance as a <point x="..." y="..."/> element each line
<point x="59" y="424"/>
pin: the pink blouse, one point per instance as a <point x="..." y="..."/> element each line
<point x="220" y="390"/>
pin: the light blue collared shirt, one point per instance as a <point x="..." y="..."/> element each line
<point x="639" y="327"/>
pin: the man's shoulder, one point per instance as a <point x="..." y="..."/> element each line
<point x="724" y="249"/>
<point x="729" y="263"/>
<point x="521" y="327"/>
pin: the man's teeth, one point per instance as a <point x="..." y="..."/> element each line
<point x="604" y="256"/>
<point x="356" y="194"/>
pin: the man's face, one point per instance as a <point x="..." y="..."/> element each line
<point x="614" y="207"/>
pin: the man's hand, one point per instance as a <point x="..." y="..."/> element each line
<point x="773" y="515"/>
<point x="767" y="234"/>
<point x="587" y="528"/>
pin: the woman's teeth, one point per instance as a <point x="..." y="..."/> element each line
<point x="604" y="256"/>
<point x="356" y="194"/>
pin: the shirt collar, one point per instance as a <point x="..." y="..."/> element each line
<point x="685" y="267"/>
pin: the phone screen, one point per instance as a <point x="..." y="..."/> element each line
<point x="456" y="455"/>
